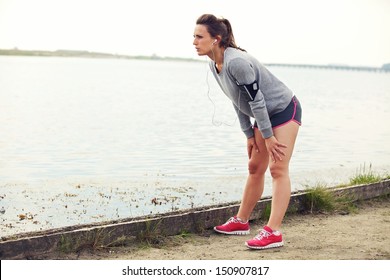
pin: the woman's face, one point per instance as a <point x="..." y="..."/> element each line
<point x="203" y="41"/>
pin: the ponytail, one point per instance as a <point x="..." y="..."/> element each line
<point x="221" y="27"/>
<point x="230" y="40"/>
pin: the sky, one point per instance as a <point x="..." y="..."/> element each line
<point x="353" y="32"/>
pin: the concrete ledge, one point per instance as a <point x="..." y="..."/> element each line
<point x="29" y="245"/>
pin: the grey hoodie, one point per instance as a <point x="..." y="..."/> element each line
<point x="272" y="97"/>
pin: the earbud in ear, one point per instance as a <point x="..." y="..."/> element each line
<point x="215" y="41"/>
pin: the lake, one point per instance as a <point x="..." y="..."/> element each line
<point x="86" y="140"/>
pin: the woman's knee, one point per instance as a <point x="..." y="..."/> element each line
<point x="278" y="170"/>
<point x="256" y="167"/>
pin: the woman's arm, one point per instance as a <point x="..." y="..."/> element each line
<point x="245" y="123"/>
<point x="242" y="71"/>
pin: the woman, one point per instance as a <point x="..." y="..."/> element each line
<point x="255" y="93"/>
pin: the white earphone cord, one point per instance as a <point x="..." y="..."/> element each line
<point x="214" y="122"/>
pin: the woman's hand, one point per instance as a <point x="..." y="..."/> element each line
<point x="251" y="144"/>
<point x="275" y="149"/>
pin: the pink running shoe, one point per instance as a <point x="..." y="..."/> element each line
<point x="266" y="239"/>
<point x="233" y="226"/>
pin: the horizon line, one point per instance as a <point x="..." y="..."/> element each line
<point x="95" y="54"/>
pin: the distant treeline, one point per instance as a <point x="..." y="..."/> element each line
<point x="81" y="53"/>
<point x="384" y="68"/>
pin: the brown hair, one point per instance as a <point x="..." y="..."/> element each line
<point x="221" y="27"/>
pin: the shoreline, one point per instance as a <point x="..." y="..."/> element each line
<point x="78" y="202"/>
<point x="74" y="238"/>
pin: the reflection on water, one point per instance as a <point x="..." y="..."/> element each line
<point x="86" y="140"/>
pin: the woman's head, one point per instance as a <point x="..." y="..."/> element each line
<point x="217" y="29"/>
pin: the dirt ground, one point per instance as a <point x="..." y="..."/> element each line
<point x="364" y="235"/>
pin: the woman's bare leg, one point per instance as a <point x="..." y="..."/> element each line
<point x="281" y="185"/>
<point x="257" y="166"/>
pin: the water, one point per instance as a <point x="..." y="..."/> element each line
<point x="89" y="140"/>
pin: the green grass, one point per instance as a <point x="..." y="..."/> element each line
<point x="91" y="240"/>
<point x="266" y="212"/>
<point x="319" y="199"/>
<point x="366" y="176"/>
<point x="151" y="235"/>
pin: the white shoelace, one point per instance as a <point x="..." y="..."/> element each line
<point x="234" y="220"/>
<point x="262" y="234"/>
<point x="231" y="220"/>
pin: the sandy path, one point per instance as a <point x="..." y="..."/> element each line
<point x="364" y="235"/>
